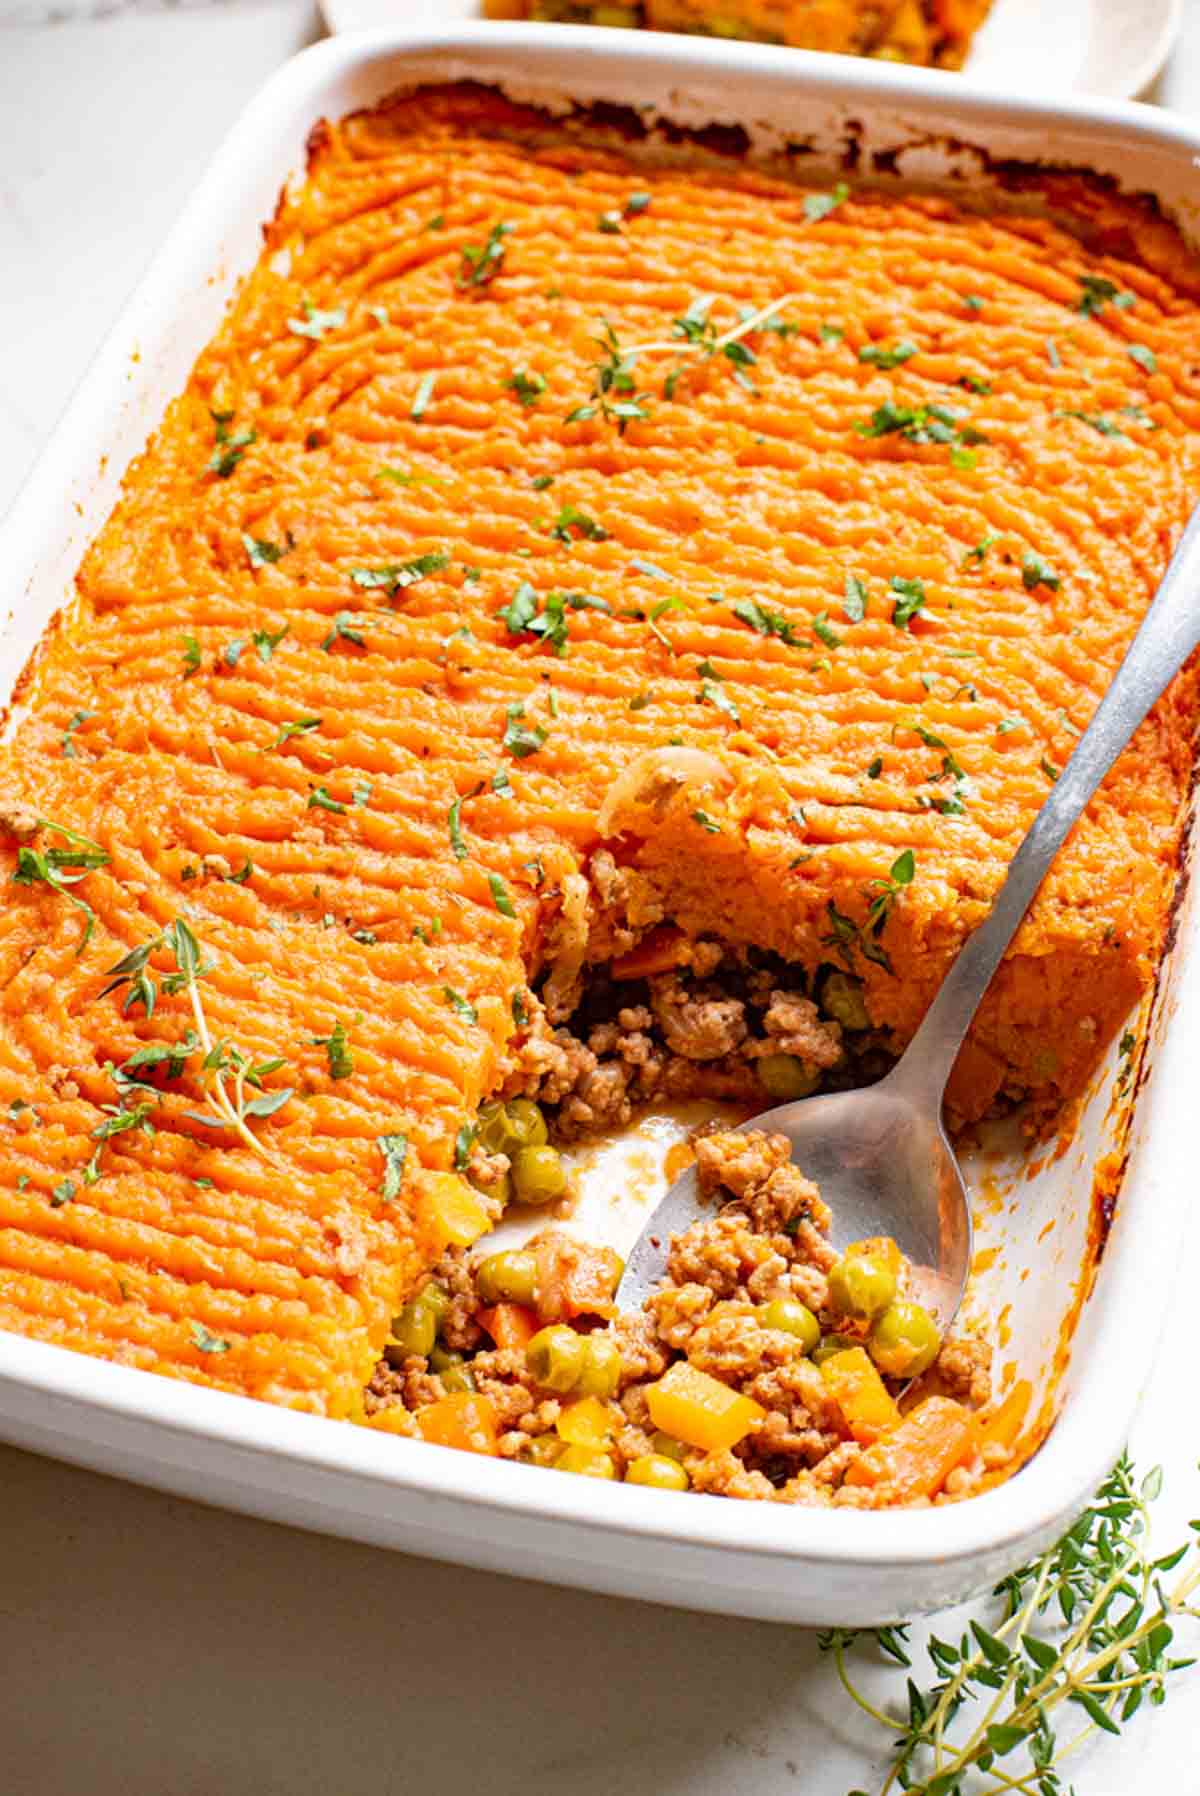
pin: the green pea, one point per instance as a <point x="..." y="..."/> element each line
<point x="601" y="1367"/>
<point x="435" y="1299"/>
<point x="414" y="1330"/>
<point x="842" y="999"/>
<point x="792" y="1319"/>
<point x="860" y="1286"/>
<point x="786" y="1076"/>
<point x="658" y="1472"/>
<point x="526" y="1125"/>
<point x="457" y="1377"/>
<point x="555" y="1356"/>
<point x="828" y="1345"/>
<point x="587" y="1462"/>
<point x="507" y="1278"/>
<point x="539" y="1175"/>
<point x="904" y="1341"/>
<point x="667" y="1447"/>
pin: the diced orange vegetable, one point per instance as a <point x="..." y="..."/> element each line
<point x="464" y="1419"/>
<point x="879" y="1247"/>
<point x="700" y="1410"/>
<point x="657" y="952"/>
<point x="393" y="1420"/>
<point x="587" y="1423"/>
<point x="509" y="1324"/>
<point x="458" y="1212"/>
<point x="575" y="1279"/>
<point x="867" y="1406"/>
<point x="915" y="1458"/>
<point x="1002" y="1427"/>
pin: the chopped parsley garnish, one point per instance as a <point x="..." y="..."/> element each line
<point x="192" y="657"/>
<point x="301" y="726"/>
<point x="527" y="386"/>
<point x="920" y="424"/>
<point x="262" y="553"/>
<point x="1145" y="358"/>
<point x="831" y="333"/>
<point x="875" y="768"/>
<point x="609" y="223"/>
<point x="1035" y="572"/>
<point x="481" y="263"/>
<point x="519" y="740"/>
<point x="206" y="1342"/>
<point x="337" y="1051"/>
<point x="879" y="357"/>
<point x="394" y="1149"/>
<point x="343" y="631"/>
<point x="526" y="615"/>
<point x="1097" y="421"/>
<point x="320" y="800"/>
<point x="972" y="302"/>
<point x="362" y="794"/>
<point x="706" y="822"/>
<point x="820" y="205"/>
<point x="980" y="550"/>
<point x="61" y="868"/>
<point x="395" y="576"/>
<point x="229" y="448"/>
<point x="1052" y="355"/>
<point x="711" y="693"/>
<point x="824" y="630"/>
<point x="540" y="482"/>
<point x="637" y="202"/>
<point x="767" y="623"/>
<point x="454" y="826"/>
<point x="500" y="896"/>
<point x="267" y="641"/>
<point x="854" y="604"/>
<point x="75" y="723"/>
<point x="422" y="396"/>
<point x="460" y="1005"/>
<point x="500" y="780"/>
<point x="1096" y="293"/>
<point x="910" y="598"/>
<point x="1047" y="766"/>
<point x="314" y="323"/>
<point x="231" y="654"/>
<point x="520" y="1014"/>
<point x="62" y="1194"/>
<point x="571" y="523"/>
<point x="464" y="1141"/>
<point x="974" y="384"/>
<point x="881" y="894"/>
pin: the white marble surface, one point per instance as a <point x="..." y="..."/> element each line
<point x="155" y="1648"/>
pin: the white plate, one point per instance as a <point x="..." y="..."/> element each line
<point x="755" y="1559"/>
<point x="1110" y="47"/>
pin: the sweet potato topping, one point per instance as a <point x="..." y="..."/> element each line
<point x="849" y="502"/>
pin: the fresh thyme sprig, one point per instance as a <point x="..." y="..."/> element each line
<point x="1088" y="1627"/>
<point x="225" y="1070"/>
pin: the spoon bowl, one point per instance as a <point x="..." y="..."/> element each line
<point x="882" y="1163"/>
<point x="879" y="1155"/>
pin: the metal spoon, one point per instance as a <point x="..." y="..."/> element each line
<point x="880" y="1154"/>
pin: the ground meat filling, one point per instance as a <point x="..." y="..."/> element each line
<point x="751" y="1313"/>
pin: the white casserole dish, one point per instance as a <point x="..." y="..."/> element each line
<point x="759" y="1560"/>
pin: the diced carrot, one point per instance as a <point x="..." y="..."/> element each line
<point x="464" y="1419"/>
<point x="393" y="1420"/>
<point x="1003" y="1425"/>
<point x="509" y="1324"/>
<point x="915" y="1458"/>
<point x="657" y="952"/>
<point x="699" y="1409"/>
<point x="457" y="1211"/>
<point x="879" y="1247"/>
<point x="586" y="1423"/>
<point x="868" y="1407"/>
<point x="574" y="1278"/>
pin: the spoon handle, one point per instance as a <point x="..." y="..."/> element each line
<point x="1169" y="632"/>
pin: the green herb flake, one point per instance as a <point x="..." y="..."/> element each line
<point x="819" y="205"/>
<point x="229" y="448"/>
<point x="422" y="396"/>
<point x="74" y="724"/>
<point x="520" y="741"/>
<point x="824" y="630"/>
<point x="481" y="263"/>
<point x="192" y="657"/>
<point x="63" y="1193"/>
<point x="500" y="896"/>
<point x="262" y="553"/>
<point x="464" y="1141"/>
<point x="1096" y="292"/>
<point x="361" y="794"/>
<point x="767" y="623"/>
<point x="396" y="576"/>
<point x="876" y="356"/>
<point x="301" y="726"/>
<point x="527" y="386"/>
<point x="394" y="1149"/>
<point x="711" y="693"/>
<point x="460" y="1005"/>
<point x="343" y="631"/>
<point x="910" y="599"/>
<point x="337" y="1050"/>
<point x="206" y="1342"/>
<point x="1145" y="358"/>
<point x="454" y="825"/>
<point x="706" y="823"/>
<point x="315" y="324"/>
<point x="979" y="552"/>
<point x="1035" y="572"/>
<point x="540" y="482"/>
<point x="854" y="602"/>
<point x="876" y="768"/>
<point x="267" y="641"/>
<point x="1046" y="766"/>
<point x="320" y="800"/>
